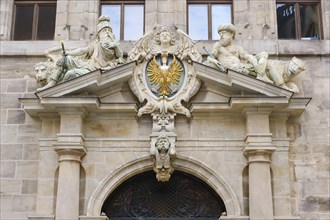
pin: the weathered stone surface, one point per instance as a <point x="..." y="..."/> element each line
<point x="300" y="177"/>
<point x="29" y="186"/>
<point x="31" y="152"/>
<point x="16" y="85"/>
<point x="8" y="169"/>
<point x="27" y="169"/>
<point x="11" y="152"/>
<point x="24" y="203"/>
<point x="11" y="186"/>
<point x="16" y="117"/>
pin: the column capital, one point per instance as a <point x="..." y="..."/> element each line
<point x="257" y="110"/>
<point x="259" y="154"/>
<point x="73" y="111"/>
<point x="70" y="152"/>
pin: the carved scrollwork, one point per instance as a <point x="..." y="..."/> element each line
<point x="163" y="76"/>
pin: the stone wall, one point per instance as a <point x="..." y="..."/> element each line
<point x="29" y="163"/>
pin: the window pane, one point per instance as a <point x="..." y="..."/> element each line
<point x="309" y="22"/>
<point x="286" y="27"/>
<point x="113" y="11"/>
<point x="197" y="20"/>
<point x="46" y="22"/>
<point x="23" y="23"/>
<point x="133" y="22"/>
<point x="221" y="14"/>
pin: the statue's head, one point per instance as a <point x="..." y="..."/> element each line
<point x="227" y="27"/>
<point x="42" y="70"/>
<point x="165" y="35"/>
<point x="162" y="143"/>
<point x="104" y="22"/>
<point x="296" y="66"/>
<point x="104" y="29"/>
<point x="226" y="33"/>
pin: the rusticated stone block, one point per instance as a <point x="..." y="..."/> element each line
<point x="29" y="186"/>
<point x="17" y="85"/>
<point x="11" y="152"/>
<point x="31" y="152"/>
<point x="8" y="169"/>
<point x="11" y="186"/>
<point x="24" y="203"/>
<point x="27" y="169"/>
<point x="16" y="117"/>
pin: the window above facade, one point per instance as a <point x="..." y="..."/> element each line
<point x="34" y="20"/>
<point x="126" y="18"/>
<point x="204" y="17"/>
<point x="298" y="19"/>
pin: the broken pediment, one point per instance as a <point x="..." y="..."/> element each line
<point x="109" y="91"/>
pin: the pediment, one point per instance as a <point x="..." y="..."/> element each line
<point x="109" y="91"/>
<point x="224" y="85"/>
<point x="100" y="84"/>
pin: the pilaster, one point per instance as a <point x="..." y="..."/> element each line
<point x="70" y="148"/>
<point x="258" y="151"/>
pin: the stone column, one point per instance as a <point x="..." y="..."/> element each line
<point x="258" y="150"/>
<point x="70" y="148"/>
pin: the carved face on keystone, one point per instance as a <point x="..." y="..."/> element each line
<point x="162" y="144"/>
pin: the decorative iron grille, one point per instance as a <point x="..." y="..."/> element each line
<point x="183" y="197"/>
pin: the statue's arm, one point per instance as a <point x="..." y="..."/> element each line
<point x="118" y="51"/>
<point x="79" y="51"/>
<point x="216" y="50"/>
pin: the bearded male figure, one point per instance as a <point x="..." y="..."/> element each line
<point x="104" y="53"/>
<point x="225" y="54"/>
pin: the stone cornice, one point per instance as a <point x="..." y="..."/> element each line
<point x="273" y="47"/>
<point x="290" y="107"/>
<point x="55" y="105"/>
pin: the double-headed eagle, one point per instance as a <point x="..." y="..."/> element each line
<point x="164" y="75"/>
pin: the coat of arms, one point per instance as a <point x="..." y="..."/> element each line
<point x="164" y="75"/>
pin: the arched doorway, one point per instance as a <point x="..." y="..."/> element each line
<point x="183" y="197"/>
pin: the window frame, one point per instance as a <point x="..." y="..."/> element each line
<point x="122" y="4"/>
<point x="209" y="4"/>
<point x="297" y="17"/>
<point x="36" y="5"/>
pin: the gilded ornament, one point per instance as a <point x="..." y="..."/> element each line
<point x="164" y="75"/>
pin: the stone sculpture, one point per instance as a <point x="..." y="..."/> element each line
<point x="163" y="39"/>
<point x="104" y="53"/>
<point x="159" y="51"/>
<point x="163" y="80"/>
<point x="43" y="72"/>
<point x="226" y="55"/>
<point x="281" y="72"/>
<point x="162" y="151"/>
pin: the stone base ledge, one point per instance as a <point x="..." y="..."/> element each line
<point x="234" y="218"/>
<point x="248" y="218"/>
<point x="286" y="218"/>
<point x="50" y="217"/>
<point x="93" y="218"/>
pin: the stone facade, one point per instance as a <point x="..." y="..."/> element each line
<point x="103" y="145"/>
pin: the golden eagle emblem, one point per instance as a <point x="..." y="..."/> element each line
<point x="164" y="75"/>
